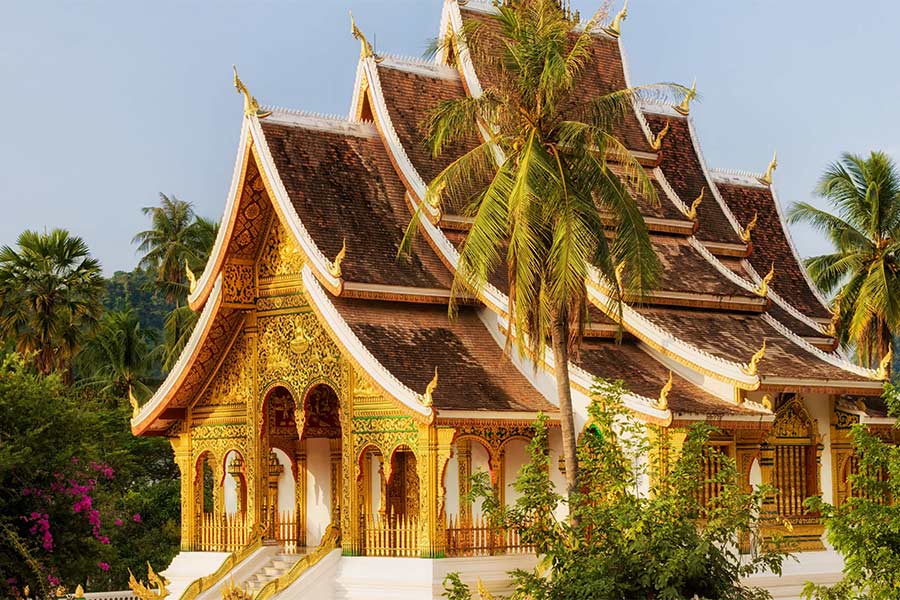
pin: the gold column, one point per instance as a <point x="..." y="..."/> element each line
<point x="181" y="446"/>
<point x="433" y="452"/>
<point x="300" y="492"/>
<point x="334" y="445"/>
<point x="464" y="464"/>
<point x="256" y="444"/>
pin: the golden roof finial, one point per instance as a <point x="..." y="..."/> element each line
<point x="884" y="367"/>
<point x="656" y="144"/>
<point x="753" y="366"/>
<point x="663" y="402"/>
<point x="692" y="211"/>
<point x="748" y="229"/>
<point x="615" y="27"/>
<point x="365" y="48"/>
<point x="684" y="108"/>
<point x="763" y="289"/>
<point x="620" y="268"/>
<point x="251" y="106"/>
<point x="766" y="178"/>
<point x="135" y="405"/>
<point x="192" y="279"/>
<point x="427" y="398"/>
<point x="335" y="269"/>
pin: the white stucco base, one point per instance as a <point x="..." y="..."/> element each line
<point x="188" y="566"/>
<point x="243" y="571"/>
<point x="318" y="582"/>
<point x="823" y="568"/>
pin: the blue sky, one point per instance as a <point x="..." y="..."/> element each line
<point x="106" y="104"/>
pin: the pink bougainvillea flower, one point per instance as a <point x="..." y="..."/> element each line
<point x="137" y="517"/>
<point x="54" y="581"/>
<point x="119" y="522"/>
<point x="103" y="566"/>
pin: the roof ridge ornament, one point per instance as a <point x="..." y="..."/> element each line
<point x="656" y="144"/>
<point x="427" y="397"/>
<point x="684" y="109"/>
<point x="748" y="229"/>
<point x="766" y="178"/>
<point x="884" y="367"/>
<point x="335" y="269"/>
<point x="763" y="289"/>
<point x="135" y="405"/>
<point x="663" y="402"/>
<point x="251" y="106"/>
<point x="767" y="402"/>
<point x="192" y="279"/>
<point x="692" y="211"/>
<point x="752" y="368"/>
<point x="365" y="48"/>
<point x="615" y="27"/>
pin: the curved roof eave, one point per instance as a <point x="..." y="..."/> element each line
<point x="160" y="400"/>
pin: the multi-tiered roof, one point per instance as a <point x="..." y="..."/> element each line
<point x="344" y="190"/>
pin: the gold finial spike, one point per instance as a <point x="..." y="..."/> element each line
<point x="620" y="268"/>
<point x="79" y="591"/>
<point x="663" y="402"/>
<point x="752" y="368"/>
<point x="192" y="279"/>
<point x="692" y="211"/>
<point x="767" y="402"/>
<point x="748" y="229"/>
<point x="884" y="367"/>
<point x="251" y="106"/>
<point x="656" y="144"/>
<point x="615" y="27"/>
<point x="427" y="398"/>
<point x="766" y="178"/>
<point x="763" y="289"/>
<point x="335" y="268"/>
<point x="135" y="406"/>
<point x="365" y="48"/>
<point x="684" y="108"/>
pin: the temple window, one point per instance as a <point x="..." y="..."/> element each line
<point x="794" y="442"/>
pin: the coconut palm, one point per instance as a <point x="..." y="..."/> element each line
<point x="117" y="357"/>
<point x="864" y="269"/>
<point x="176" y="236"/>
<point x="50" y="291"/>
<point x="540" y="188"/>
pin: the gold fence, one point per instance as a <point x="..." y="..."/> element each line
<point x="226" y="533"/>
<point x="391" y="535"/>
<point x="285" y="531"/>
<point x="477" y="537"/>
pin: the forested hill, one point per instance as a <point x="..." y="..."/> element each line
<point x="137" y="290"/>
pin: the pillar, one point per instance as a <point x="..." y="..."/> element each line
<point x="432" y="453"/>
<point x="181" y="445"/>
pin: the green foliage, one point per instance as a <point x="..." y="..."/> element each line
<point x="864" y="269"/>
<point x="136" y="291"/>
<point x="50" y="290"/>
<point x="622" y="544"/>
<point x="865" y="529"/>
<point x="116" y="359"/>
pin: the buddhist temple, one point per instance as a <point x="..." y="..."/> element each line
<point x="326" y="414"/>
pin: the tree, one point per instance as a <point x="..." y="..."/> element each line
<point x="116" y="359"/>
<point x="865" y="529"/>
<point x="864" y="269"/>
<point x="667" y="542"/>
<point x="543" y="203"/>
<point x="177" y="237"/>
<point x="50" y="290"/>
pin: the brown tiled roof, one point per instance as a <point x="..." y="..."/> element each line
<point x="344" y="187"/>
<point x="685" y="270"/>
<point x="410" y="340"/>
<point x="645" y="376"/>
<point x="771" y="246"/>
<point x="736" y="337"/>
<point x="603" y="73"/>
<point x="684" y="172"/>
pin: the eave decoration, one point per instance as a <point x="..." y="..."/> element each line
<point x="746" y="233"/>
<point x="766" y="178"/>
<point x="656" y="144"/>
<point x="365" y="48"/>
<point x="884" y="367"/>
<point x="692" y="211"/>
<point x="663" y="402"/>
<point x="614" y="29"/>
<point x="335" y="269"/>
<point x="752" y="367"/>
<point x="427" y="399"/>
<point x="251" y="106"/>
<point x="763" y="289"/>
<point x="684" y="109"/>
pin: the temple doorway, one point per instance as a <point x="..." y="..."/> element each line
<point x="321" y="439"/>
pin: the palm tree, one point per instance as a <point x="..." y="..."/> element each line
<point x="50" y="291"/>
<point x="864" y="269"/>
<point x="177" y="330"/>
<point x="541" y="201"/>
<point x="117" y="357"/>
<point x="176" y="236"/>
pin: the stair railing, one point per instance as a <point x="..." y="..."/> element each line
<point x="330" y="540"/>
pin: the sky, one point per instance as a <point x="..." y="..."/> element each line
<point x="107" y="104"/>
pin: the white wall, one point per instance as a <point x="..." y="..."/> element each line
<point x="318" y="488"/>
<point x="480" y="462"/>
<point x="286" y="486"/>
<point x="229" y="486"/>
<point x="514" y="459"/>
<point x="819" y="408"/>
<point x="374" y="484"/>
<point x="451" y="485"/>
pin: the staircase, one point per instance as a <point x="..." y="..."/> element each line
<point x="277" y="566"/>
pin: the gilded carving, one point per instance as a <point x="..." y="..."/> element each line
<point x="280" y="254"/>
<point x="233" y="384"/>
<point x="238" y="285"/>
<point x="282" y="360"/>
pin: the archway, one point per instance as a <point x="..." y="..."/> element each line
<point x="321" y="438"/>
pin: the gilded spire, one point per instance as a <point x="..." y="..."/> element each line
<point x="656" y="144"/>
<point x="748" y="229"/>
<point x="753" y="366"/>
<point x="192" y="279"/>
<point x="427" y="399"/>
<point x="335" y="269"/>
<point x="763" y="289"/>
<point x="251" y="106"/>
<point x="884" y="367"/>
<point x="692" y="212"/>
<point x="663" y="402"/>
<point x="615" y="27"/>
<point x="766" y="178"/>
<point x="365" y="48"/>
<point x="685" y="107"/>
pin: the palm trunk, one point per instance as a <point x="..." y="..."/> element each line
<point x="559" y="337"/>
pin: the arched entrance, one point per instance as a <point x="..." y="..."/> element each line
<point x="320" y="426"/>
